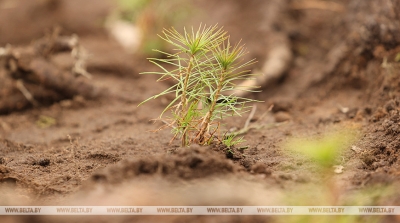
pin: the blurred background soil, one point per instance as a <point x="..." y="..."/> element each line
<point x="343" y="73"/>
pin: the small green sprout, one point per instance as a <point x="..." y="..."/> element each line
<point x="205" y="67"/>
<point x="325" y="150"/>
<point x="232" y="140"/>
<point x="397" y="58"/>
<point x="45" y="121"/>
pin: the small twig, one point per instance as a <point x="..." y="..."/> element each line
<point x="251" y="115"/>
<point x="26" y="93"/>
<point x="215" y="130"/>
<point x="270" y="125"/>
<point x="247" y="127"/>
<point x="265" y="113"/>
<point x="79" y="68"/>
<point x="80" y="55"/>
<point x="11" y="159"/>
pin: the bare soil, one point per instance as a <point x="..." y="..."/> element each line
<point x="102" y="151"/>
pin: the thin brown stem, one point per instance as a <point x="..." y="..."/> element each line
<point x="206" y="121"/>
<point x="183" y="111"/>
<point x="185" y="83"/>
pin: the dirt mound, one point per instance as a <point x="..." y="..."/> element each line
<point x="382" y="150"/>
<point x="183" y="163"/>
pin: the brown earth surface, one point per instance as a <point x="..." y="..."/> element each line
<point x="102" y="151"/>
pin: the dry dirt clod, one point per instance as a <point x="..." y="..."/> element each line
<point x="356" y="149"/>
<point x="391" y="105"/>
<point x="282" y="116"/>
<point x="338" y="169"/>
<point x="343" y="109"/>
<point x="43" y="162"/>
<point x="4" y="169"/>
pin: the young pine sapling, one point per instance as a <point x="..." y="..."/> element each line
<point x="205" y="67"/>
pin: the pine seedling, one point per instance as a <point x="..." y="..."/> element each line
<point x="205" y="68"/>
<point x="231" y="140"/>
